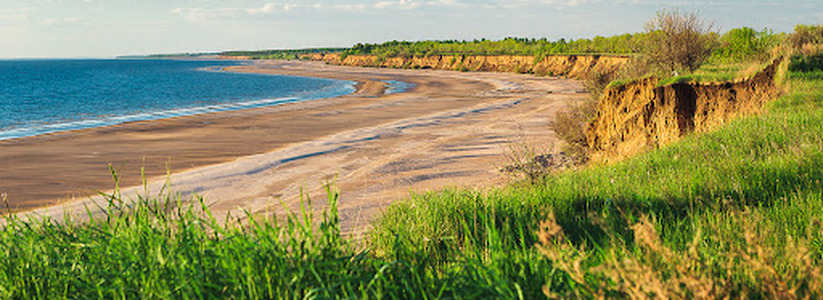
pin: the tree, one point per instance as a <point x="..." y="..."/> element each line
<point x="678" y="41"/>
<point x="745" y="43"/>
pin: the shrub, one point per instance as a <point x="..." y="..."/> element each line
<point x="806" y="63"/>
<point x="570" y="125"/>
<point x="678" y="41"/>
<point x="595" y="82"/>
<point x="570" y="122"/>
<point x="806" y="34"/>
<point x="745" y="43"/>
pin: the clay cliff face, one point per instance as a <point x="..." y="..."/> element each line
<point x="641" y="115"/>
<point x="556" y="65"/>
<point x="631" y="118"/>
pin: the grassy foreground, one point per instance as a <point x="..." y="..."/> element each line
<point x="736" y="212"/>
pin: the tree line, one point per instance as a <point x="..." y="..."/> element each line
<point x="619" y="44"/>
<point x="281" y="53"/>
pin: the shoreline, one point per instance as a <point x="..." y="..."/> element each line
<point x="73" y="126"/>
<point x="450" y="129"/>
<point x="363" y="88"/>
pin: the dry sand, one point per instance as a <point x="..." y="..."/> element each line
<point x="451" y="129"/>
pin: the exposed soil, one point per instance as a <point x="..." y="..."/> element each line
<point x="573" y="66"/>
<point x="642" y="115"/>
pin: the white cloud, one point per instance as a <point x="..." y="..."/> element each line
<point x="197" y="14"/>
<point x="13" y="17"/>
<point x="351" y="7"/>
<point x="397" y="5"/>
<point x="270" y="8"/>
<point x="446" y="3"/>
<point x="64" y="23"/>
<point x="203" y="13"/>
<point x="400" y="4"/>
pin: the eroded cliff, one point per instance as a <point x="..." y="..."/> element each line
<point x="555" y="65"/>
<point x="642" y="115"/>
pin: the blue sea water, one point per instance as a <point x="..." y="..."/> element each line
<point x="394" y="86"/>
<point x="45" y="96"/>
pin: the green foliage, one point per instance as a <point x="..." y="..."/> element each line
<point x="280" y="54"/>
<point x="745" y="43"/>
<point x="806" y="63"/>
<point x="171" y="55"/>
<point x="621" y="44"/>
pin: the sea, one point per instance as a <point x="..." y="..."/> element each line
<point x="47" y="96"/>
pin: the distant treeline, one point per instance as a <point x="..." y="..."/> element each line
<point x="281" y="54"/>
<point x="173" y="55"/>
<point x="736" y="44"/>
<point x="619" y="44"/>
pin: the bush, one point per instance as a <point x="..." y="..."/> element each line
<point x="678" y="41"/>
<point x="806" y="63"/>
<point x="570" y="122"/>
<point x="745" y="44"/>
<point x="570" y="125"/>
<point x="806" y="34"/>
<point x="595" y="82"/>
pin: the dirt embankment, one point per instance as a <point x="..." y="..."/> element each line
<point x="573" y="66"/>
<point x="642" y="115"/>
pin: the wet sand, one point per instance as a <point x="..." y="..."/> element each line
<point x="451" y="129"/>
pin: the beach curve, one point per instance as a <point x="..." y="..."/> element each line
<point x="451" y="129"/>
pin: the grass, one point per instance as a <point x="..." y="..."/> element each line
<point x="713" y="71"/>
<point x="735" y="212"/>
<point x="761" y="173"/>
<point x="161" y="248"/>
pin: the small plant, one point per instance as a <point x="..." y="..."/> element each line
<point x="525" y="163"/>
<point x="570" y="126"/>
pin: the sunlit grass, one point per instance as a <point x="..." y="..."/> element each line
<point x="764" y="171"/>
<point x="716" y="72"/>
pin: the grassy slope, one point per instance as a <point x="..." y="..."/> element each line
<point x="760" y="173"/>
<point x="738" y="208"/>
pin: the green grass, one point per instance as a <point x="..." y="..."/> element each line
<point x="763" y="170"/>
<point x="712" y="72"/>
<point x="161" y="248"/>
<point x="735" y="212"/>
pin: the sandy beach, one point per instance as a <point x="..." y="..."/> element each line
<point x="451" y="129"/>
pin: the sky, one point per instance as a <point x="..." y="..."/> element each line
<point x="107" y="28"/>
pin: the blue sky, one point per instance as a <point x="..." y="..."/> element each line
<point x="106" y="28"/>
